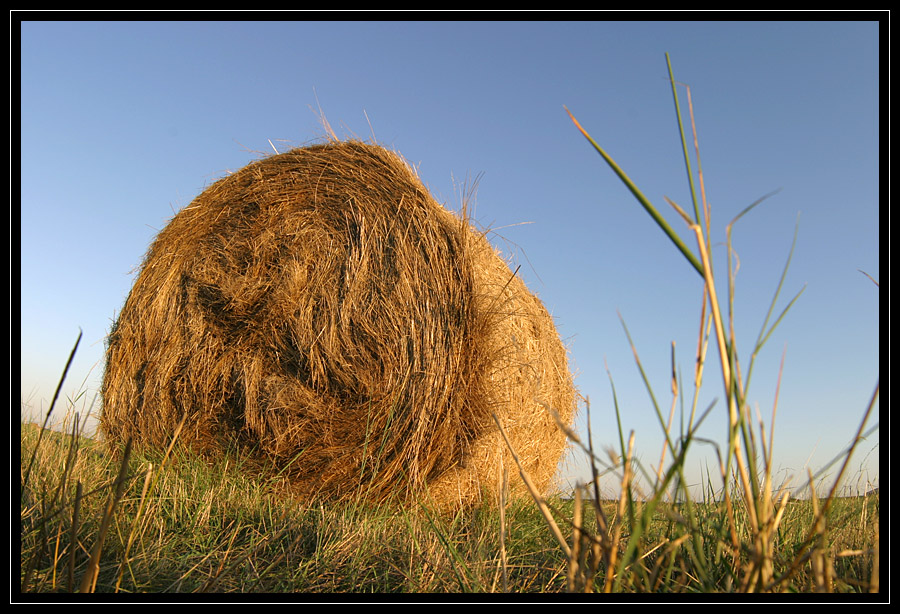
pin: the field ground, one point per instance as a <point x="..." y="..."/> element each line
<point x="188" y="527"/>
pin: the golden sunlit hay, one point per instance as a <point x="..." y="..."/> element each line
<point x="321" y="309"/>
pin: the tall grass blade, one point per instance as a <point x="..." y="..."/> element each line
<point x="89" y="579"/>
<point x="50" y="411"/>
<point x="687" y="158"/>
<point x="74" y="537"/>
<point x="659" y="415"/>
<point x="645" y="203"/>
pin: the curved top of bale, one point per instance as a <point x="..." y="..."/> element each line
<point x="320" y="306"/>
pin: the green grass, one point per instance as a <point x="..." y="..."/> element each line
<point x="202" y="528"/>
<point x="168" y="521"/>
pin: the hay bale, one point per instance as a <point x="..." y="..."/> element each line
<point x="322" y="310"/>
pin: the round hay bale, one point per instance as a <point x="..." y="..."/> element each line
<point x="320" y="309"/>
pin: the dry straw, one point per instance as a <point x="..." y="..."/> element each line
<point x="321" y="310"/>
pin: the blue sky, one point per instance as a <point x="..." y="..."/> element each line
<point x="124" y="123"/>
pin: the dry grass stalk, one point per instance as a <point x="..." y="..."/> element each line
<point x="612" y="545"/>
<point x="535" y="493"/>
<point x="504" y="490"/>
<point x="577" y="533"/>
<point x="320" y="309"/>
<point x="874" y="578"/>
<point x="89" y="579"/>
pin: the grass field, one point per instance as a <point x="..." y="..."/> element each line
<point x="180" y="525"/>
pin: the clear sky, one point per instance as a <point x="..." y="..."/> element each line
<point x="124" y="123"/>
